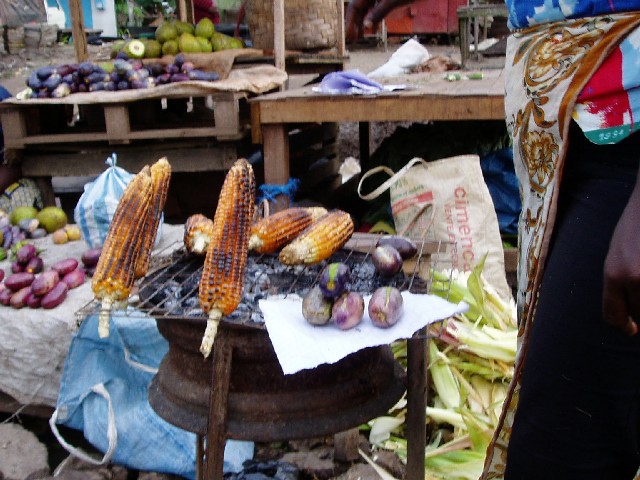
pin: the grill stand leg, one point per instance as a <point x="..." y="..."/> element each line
<point x="416" y="405"/>
<point x="199" y="457"/>
<point x="216" y="431"/>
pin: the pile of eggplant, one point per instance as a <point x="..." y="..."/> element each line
<point x="120" y="74"/>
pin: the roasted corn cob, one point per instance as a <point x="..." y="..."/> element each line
<point x="222" y="280"/>
<point x="114" y="274"/>
<point x="320" y="240"/>
<point x="160" y="177"/>
<point x="316" y="212"/>
<point x="198" y="231"/>
<point x="273" y="232"/>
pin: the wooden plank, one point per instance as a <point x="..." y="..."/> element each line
<point x="116" y="118"/>
<point x="14" y="126"/>
<point x="226" y="115"/>
<point x="278" y="34"/>
<point x="91" y="162"/>
<point x="340" y="33"/>
<point x="416" y="404"/>
<point x="77" y="29"/>
<point x="276" y="149"/>
<point x="382" y="108"/>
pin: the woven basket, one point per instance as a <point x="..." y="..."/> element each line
<point x="308" y="24"/>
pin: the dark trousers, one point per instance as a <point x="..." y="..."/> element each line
<point x="579" y="411"/>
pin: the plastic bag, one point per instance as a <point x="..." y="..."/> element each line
<point x="103" y="393"/>
<point x="97" y="204"/>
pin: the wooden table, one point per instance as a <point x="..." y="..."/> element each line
<point x="428" y="98"/>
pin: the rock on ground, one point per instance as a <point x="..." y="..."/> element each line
<point x="21" y="454"/>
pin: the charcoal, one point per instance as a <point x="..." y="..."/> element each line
<point x="172" y="291"/>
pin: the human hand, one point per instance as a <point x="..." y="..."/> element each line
<point x="362" y="14"/>
<point x="621" y="295"/>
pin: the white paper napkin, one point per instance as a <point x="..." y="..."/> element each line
<point x="300" y="345"/>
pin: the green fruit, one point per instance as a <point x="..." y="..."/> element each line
<point x="116" y="47"/>
<point x="134" y="49"/>
<point x="21" y="213"/>
<point x="205" y="45"/>
<point x="205" y="28"/>
<point x="152" y="49"/>
<point x="166" y="31"/>
<point x="170" y="47"/>
<point x="52" y="218"/>
<point x="187" y="43"/>
<point x="235" y="43"/>
<point x="183" y="27"/>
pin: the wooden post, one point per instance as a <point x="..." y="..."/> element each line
<point x="416" y="405"/>
<point x="77" y="30"/>
<point x="278" y="34"/>
<point x="341" y="39"/>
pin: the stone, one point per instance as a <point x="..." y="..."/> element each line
<point x="360" y="471"/>
<point x="22" y="455"/>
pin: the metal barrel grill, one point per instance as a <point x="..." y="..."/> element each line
<point x="240" y="391"/>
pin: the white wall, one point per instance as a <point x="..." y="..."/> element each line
<point x="105" y="19"/>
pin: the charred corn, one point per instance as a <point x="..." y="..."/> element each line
<point x="320" y="240"/>
<point x="160" y="177"/>
<point x="222" y="280"/>
<point x="273" y="232"/>
<point x="198" y="231"/>
<point x="114" y="274"/>
<point x="316" y="212"/>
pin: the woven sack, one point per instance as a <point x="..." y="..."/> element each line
<point x="308" y="24"/>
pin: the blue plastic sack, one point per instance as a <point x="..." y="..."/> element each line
<point x="98" y="202"/>
<point x="103" y="393"/>
<point x="500" y="177"/>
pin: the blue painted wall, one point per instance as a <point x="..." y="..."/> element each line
<point x="86" y="12"/>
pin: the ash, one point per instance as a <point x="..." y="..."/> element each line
<point x="172" y="291"/>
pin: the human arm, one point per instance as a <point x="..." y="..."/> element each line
<point x="363" y="14"/>
<point x="621" y="295"/>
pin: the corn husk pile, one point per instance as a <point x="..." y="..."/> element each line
<point x="470" y="366"/>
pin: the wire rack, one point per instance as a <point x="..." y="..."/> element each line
<point x="170" y="289"/>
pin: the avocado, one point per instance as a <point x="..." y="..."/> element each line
<point x="52" y="218"/>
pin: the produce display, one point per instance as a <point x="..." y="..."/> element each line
<point x="120" y="74"/>
<point x="36" y="285"/>
<point x="198" y="231"/>
<point x="222" y="279"/>
<point x="385" y="307"/>
<point x="174" y="36"/>
<point x="273" y="232"/>
<point x="471" y="363"/>
<point x="331" y="300"/>
<point x="160" y="178"/>
<point x="125" y="240"/>
<point x="320" y="240"/>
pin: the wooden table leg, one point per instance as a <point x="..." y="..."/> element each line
<point x="275" y="145"/>
<point x="217" y="431"/>
<point x="416" y="405"/>
<point x="199" y="457"/>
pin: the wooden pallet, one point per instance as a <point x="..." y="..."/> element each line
<point x="220" y="116"/>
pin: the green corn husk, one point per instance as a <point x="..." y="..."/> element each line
<point x="471" y="362"/>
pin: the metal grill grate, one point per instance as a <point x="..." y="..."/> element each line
<point x="170" y="290"/>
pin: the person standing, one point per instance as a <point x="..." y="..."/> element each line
<point x="206" y="9"/>
<point x="572" y="87"/>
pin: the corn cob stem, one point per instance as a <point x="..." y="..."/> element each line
<point x="210" y="331"/>
<point x="103" y="317"/>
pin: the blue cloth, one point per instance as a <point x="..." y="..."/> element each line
<point x="103" y="393"/>
<point x="500" y="177"/>
<point x="525" y="13"/>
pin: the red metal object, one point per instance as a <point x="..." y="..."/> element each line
<point x="425" y="17"/>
